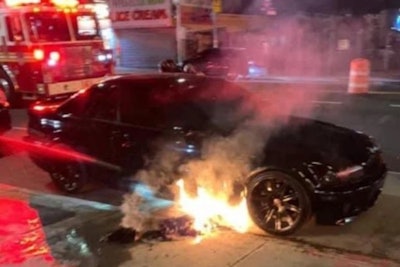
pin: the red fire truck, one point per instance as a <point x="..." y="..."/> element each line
<point x="49" y="48"/>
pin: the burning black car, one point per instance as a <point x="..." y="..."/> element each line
<point x="295" y="168"/>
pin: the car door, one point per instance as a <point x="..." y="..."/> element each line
<point x="89" y="121"/>
<point x="155" y="125"/>
<point x="139" y="126"/>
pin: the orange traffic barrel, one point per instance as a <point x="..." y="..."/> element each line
<point x="359" y="76"/>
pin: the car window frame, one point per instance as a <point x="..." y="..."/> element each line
<point x="116" y="117"/>
<point x="84" y="113"/>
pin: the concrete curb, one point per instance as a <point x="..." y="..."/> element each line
<point x="82" y="210"/>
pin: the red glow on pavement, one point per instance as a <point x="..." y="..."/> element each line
<point x="54" y="152"/>
<point x="59" y="153"/>
<point x="22" y="238"/>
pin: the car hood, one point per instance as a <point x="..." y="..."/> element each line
<point x="311" y="140"/>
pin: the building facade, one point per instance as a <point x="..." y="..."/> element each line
<point x="145" y="32"/>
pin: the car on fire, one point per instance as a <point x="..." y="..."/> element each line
<point x="306" y="167"/>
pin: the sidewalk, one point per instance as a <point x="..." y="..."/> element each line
<point x="43" y="230"/>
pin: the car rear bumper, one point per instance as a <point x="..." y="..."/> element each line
<point x="337" y="207"/>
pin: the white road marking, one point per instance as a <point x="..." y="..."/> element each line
<point x="327" y="102"/>
<point x="394" y="105"/>
<point x="393" y="172"/>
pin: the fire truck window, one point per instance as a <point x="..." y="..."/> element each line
<point x="85" y="26"/>
<point x="14" y="29"/>
<point x="48" y="27"/>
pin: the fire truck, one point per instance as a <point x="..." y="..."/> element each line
<point x="49" y="49"/>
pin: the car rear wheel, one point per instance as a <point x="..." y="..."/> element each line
<point x="70" y="177"/>
<point x="278" y="203"/>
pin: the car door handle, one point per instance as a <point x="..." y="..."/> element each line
<point x="127" y="144"/>
<point x="122" y="139"/>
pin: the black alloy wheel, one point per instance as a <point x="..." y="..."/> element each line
<point x="70" y="177"/>
<point x="277" y="202"/>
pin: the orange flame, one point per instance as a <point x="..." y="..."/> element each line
<point x="211" y="211"/>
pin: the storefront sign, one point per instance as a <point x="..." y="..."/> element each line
<point x="140" y="13"/>
<point x="197" y="3"/>
<point x="196" y="15"/>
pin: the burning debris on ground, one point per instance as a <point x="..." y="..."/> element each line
<point x="205" y="198"/>
<point x="168" y="230"/>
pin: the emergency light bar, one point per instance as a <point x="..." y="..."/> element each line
<point x="21" y="2"/>
<point x="57" y="3"/>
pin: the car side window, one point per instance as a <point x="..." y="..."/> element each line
<point x="180" y="105"/>
<point x="103" y="103"/>
<point x="76" y="105"/>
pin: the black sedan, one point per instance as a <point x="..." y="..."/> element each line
<point x="218" y="62"/>
<point x="291" y="167"/>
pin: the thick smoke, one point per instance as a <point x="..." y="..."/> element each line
<point x="224" y="164"/>
<point x="225" y="161"/>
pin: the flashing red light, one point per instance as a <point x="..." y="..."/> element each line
<point x="54" y="58"/>
<point x="54" y="55"/>
<point x="65" y="3"/>
<point x="38" y="54"/>
<point x="58" y="3"/>
<point x="21" y="2"/>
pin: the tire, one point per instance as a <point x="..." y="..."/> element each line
<point x="277" y="202"/>
<point x="68" y="175"/>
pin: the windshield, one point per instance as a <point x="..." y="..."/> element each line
<point x="47" y="27"/>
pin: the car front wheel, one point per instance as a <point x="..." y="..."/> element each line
<point x="278" y="203"/>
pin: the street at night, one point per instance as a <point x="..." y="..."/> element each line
<point x="202" y="133"/>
